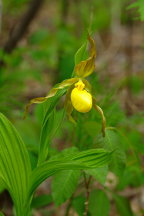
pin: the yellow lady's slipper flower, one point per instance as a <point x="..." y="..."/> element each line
<point x="80" y="98"/>
<point x="78" y="94"/>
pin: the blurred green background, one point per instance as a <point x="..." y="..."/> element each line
<point x="38" y="40"/>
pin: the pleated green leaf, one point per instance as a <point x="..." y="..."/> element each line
<point x="48" y="126"/>
<point x="64" y="182"/>
<point x="14" y="165"/>
<point x="76" y="161"/>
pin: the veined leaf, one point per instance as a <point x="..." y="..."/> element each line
<point x="112" y="142"/>
<point x="118" y="158"/>
<point x="48" y="126"/>
<point x="64" y="153"/>
<point x="76" y="161"/>
<point x="99" y="204"/>
<point x="64" y="184"/>
<point x="2" y="185"/>
<point x="14" y="165"/>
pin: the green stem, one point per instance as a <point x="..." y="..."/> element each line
<point x="69" y="206"/>
<point x="24" y="210"/>
<point x="87" y="184"/>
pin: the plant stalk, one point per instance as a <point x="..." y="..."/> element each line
<point x="69" y="206"/>
<point x="87" y="185"/>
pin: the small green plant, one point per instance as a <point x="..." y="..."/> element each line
<point x="78" y="89"/>
<point x="15" y="167"/>
<point x="21" y="179"/>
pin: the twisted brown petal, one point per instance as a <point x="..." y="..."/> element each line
<point x="52" y="93"/>
<point x="102" y="115"/>
<point x="86" y="67"/>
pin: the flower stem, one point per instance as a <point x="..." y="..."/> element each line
<point x="69" y="206"/>
<point x="87" y="184"/>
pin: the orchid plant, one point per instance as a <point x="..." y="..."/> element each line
<point x="78" y="89"/>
